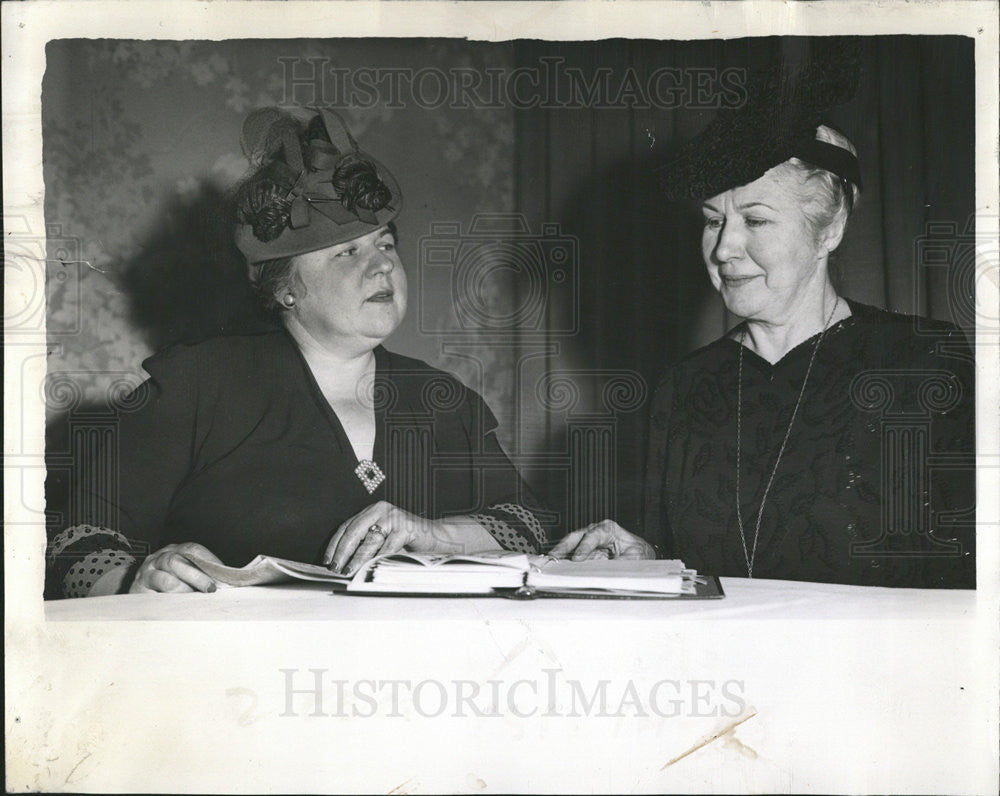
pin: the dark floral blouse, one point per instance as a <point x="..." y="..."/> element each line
<point x="876" y="485"/>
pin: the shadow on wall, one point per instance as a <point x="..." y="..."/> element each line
<point x="187" y="283"/>
<point x="189" y="280"/>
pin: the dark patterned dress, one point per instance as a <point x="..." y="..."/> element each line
<point x="231" y="444"/>
<point x="877" y="482"/>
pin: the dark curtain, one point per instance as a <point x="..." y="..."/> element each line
<point x="644" y="299"/>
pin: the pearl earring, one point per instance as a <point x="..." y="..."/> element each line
<point x="288" y="300"/>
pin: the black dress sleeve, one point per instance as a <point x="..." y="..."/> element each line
<point x="953" y="480"/>
<point x="126" y="505"/>
<point x="928" y="484"/>
<point x="158" y="443"/>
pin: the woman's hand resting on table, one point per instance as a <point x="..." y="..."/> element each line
<point x="382" y="529"/>
<point x="605" y="539"/>
<point x="167" y="570"/>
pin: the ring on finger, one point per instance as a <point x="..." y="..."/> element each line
<point x="377" y="529"/>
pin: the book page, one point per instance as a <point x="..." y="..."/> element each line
<point x="664" y="577"/>
<point x="503" y="559"/>
<point x="442" y="574"/>
<point x="265" y="570"/>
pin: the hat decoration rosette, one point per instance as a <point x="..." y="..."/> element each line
<point x="312" y="189"/>
<point x="785" y="104"/>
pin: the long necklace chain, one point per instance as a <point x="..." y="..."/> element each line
<point x="751" y="554"/>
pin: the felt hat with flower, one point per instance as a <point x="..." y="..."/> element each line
<point x="312" y="189"/>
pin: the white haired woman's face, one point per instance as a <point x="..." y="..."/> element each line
<point x="762" y="254"/>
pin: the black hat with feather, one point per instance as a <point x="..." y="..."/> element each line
<point x="783" y="109"/>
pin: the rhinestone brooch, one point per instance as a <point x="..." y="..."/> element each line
<point x="369" y="474"/>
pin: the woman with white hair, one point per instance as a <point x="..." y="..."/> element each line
<point x="819" y="439"/>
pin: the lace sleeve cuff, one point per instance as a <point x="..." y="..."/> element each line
<point x="514" y="527"/>
<point x="81" y="555"/>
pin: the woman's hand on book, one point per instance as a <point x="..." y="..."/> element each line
<point x="605" y="539"/>
<point x="382" y="529"/>
<point x="167" y="570"/>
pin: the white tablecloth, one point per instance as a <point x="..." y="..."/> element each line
<point x="778" y="687"/>
<point x="745" y="598"/>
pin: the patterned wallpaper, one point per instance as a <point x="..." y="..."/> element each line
<point x="141" y="139"/>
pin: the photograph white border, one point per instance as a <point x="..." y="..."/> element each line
<point x="35" y="726"/>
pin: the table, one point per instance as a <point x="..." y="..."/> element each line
<point x="314" y="601"/>
<point x="781" y="686"/>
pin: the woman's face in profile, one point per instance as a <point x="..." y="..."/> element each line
<point x="355" y="289"/>
<point x="758" y="247"/>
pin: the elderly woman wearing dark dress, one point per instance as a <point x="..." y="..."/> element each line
<point x="820" y="439"/>
<point x="309" y="441"/>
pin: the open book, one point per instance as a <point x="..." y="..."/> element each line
<point x="500" y="573"/>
